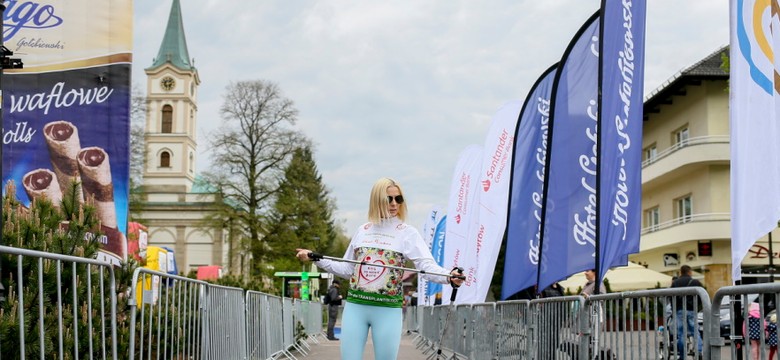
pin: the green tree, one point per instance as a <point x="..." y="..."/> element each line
<point x="302" y="215"/>
<point x="69" y="228"/>
<point x="249" y="153"/>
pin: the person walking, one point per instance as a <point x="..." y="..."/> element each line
<point x="686" y="315"/>
<point x="334" y="296"/>
<point x="590" y="285"/>
<point x="375" y="294"/>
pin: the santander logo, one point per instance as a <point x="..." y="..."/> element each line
<point x="486" y="185"/>
<point x="457" y="219"/>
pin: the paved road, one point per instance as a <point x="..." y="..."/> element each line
<point x="329" y="350"/>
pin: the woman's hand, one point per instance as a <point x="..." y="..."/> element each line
<point x="302" y="254"/>
<point x="456" y="281"/>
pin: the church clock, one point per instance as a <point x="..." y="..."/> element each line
<point x="167" y="83"/>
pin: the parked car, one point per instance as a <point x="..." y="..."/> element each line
<point x="725" y="314"/>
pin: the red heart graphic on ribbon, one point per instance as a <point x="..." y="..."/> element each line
<point x="372" y="273"/>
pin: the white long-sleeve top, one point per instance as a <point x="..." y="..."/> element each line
<point x="391" y="242"/>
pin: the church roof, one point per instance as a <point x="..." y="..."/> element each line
<point x="173" y="49"/>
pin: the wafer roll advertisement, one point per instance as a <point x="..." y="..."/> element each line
<point x="96" y="182"/>
<point x="62" y="139"/>
<point x="42" y="183"/>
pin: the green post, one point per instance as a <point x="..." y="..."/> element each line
<point x="304" y="286"/>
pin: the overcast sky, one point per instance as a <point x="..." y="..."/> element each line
<point x="398" y="88"/>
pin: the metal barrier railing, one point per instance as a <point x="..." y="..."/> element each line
<point x="166" y="316"/>
<point x="84" y="325"/>
<point x="658" y="324"/>
<point x="177" y="317"/>
<point x="755" y="307"/>
<point x="225" y="322"/>
<point x="556" y="326"/>
<point x="513" y="322"/>
<point x="481" y="340"/>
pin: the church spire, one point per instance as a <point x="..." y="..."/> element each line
<point x="173" y="49"/>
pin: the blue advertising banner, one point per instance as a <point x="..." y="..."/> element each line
<point x="437" y="249"/>
<point x="569" y="221"/>
<point x="620" y="130"/>
<point x="66" y="113"/>
<point x="524" y="217"/>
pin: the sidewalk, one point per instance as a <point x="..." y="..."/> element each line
<point x="329" y="350"/>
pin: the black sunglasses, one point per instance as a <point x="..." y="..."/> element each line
<point x="399" y="199"/>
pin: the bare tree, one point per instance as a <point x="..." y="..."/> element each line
<point x="250" y="151"/>
<point x="137" y="143"/>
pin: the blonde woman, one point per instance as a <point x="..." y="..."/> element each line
<point x="375" y="295"/>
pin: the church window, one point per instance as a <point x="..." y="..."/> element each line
<point x="165" y="159"/>
<point x="167" y="119"/>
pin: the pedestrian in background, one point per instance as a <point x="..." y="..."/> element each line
<point x="333" y="307"/>
<point x="686" y="315"/>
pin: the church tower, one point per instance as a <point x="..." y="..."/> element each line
<point x="174" y="207"/>
<point x="172" y="88"/>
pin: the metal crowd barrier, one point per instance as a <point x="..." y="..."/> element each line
<point x="481" y="338"/>
<point x="173" y="317"/>
<point x="84" y="325"/>
<point x="628" y="325"/>
<point x="512" y="335"/>
<point x="555" y="327"/>
<point x="647" y="324"/>
<point x="225" y="322"/>
<point x="727" y="339"/>
<point x="312" y="319"/>
<point x="412" y="319"/>
<point x="264" y="317"/>
<point x="166" y="316"/>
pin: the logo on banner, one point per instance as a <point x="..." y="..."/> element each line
<point x="747" y="38"/>
<point x="499" y="160"/>
<point x="463" y="192"/>
<point x="29" y="15"/>
<point x="486" y="185"/>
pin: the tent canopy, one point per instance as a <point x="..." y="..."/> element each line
<point x="623" y="278"/>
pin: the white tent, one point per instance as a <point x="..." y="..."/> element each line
<point x="623" y="278"/>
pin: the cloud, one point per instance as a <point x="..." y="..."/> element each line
<point x="399" y="88"/>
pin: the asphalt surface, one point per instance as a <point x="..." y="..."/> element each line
<point x="327" y="349"/>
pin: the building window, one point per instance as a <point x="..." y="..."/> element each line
<point x="683" y="208"/>
<point x="652" y="218"/>
<point x="165" y="159"/>
<point x="681" y="137"/>
<point x="167" y="119"/>
<point x="650" y="153"/>
<point x="192" y="162"/>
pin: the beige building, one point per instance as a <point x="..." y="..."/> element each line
<point x="685" y="178"/>
<point x="173" y="206"/>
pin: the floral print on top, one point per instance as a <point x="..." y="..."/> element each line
<point x="390" y="242"/>
<point x="377" y="285"/>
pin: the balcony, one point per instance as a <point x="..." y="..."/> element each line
<point x="698" y="150"/>
<point x="689" y="228"/>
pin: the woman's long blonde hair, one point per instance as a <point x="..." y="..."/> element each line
<point x="377" y="204"/>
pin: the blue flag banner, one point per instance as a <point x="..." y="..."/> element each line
<point x="569" y="222"/>
<point x="437" y="249"/>
<point x="525" y="198"/>
<point x="620" y="130"/>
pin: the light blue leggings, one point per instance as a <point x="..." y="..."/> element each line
<point x="385" y="323"/>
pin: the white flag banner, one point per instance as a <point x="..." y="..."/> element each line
<point x="462" y="212"/>
<point x="495" y="179"/>
<point x="427" y="231"/>
<point x="755" y="154"/>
